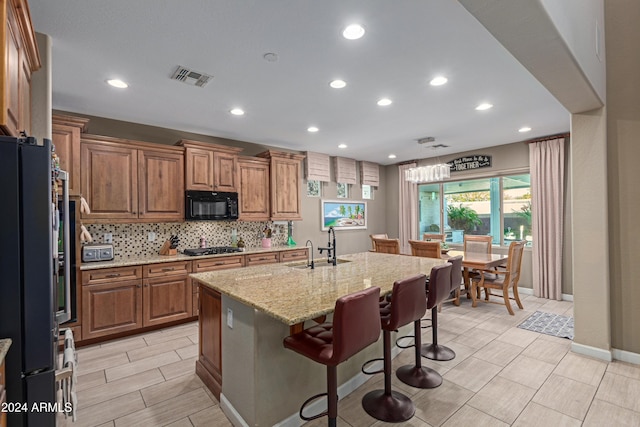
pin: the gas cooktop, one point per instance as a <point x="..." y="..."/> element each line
<point x="211" y="251"/>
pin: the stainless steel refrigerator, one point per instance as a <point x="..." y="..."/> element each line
<point x="29" y="270"/>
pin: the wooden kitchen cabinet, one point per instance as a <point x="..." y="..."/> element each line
<point x="167" y="295"/>
<point x="294" y="255"/>
<point x="212" y="264"/>
<point x="111" y="301"/>
<point x="261" y="258"/>
<point x="210" y="167"/>
<point x="19" y="59"/>
<point x="209" y="363"/>
<point x="66" y="132"/>
<point x="285" y="182"/>
<point x="253" y="199"/>
<point x="131" y="181"/>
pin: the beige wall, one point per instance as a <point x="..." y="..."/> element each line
<point x="623" y="150"/>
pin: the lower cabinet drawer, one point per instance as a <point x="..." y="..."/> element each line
<point x="218" y="263"/>
<point x="264" y="258"/>
<point x="167" y="269"/>
<point x="294" y="255"/>
<point x="108" y="275"/>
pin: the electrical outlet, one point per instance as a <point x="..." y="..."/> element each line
<point x="152" y="236"/>
<point x="230" y="318"/>
<point x="108" y="238"/>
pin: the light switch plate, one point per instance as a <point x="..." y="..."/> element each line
<point x="152" y="236"/>
<point x="230" y="318"/>
<point x="108" y="238"/>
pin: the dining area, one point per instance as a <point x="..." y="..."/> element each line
<point x="497" y="275"/>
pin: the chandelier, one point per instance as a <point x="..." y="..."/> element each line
<point x="428" y="173"/>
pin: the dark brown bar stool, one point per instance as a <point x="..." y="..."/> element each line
<point x="407" y="305"/>
<point x="417" y="375"/>
<point x="439" y="290"/>
<point x="356" y="325"/>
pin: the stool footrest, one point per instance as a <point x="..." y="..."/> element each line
<point x="369" y="362"/>
<point x="405" y="346"/>
<point x="425" y="320"/>
<point x="308" y="401"/>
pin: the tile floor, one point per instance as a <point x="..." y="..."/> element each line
<point x="501" y="376"/>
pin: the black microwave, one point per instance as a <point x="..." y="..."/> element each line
<point x="210" y="205"/>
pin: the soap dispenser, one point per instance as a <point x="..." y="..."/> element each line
<point x="234" y="238"/>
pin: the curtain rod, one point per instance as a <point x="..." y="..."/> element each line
<point x="548" y="138"/>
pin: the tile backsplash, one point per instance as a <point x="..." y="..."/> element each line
<point x="131" y="240"/>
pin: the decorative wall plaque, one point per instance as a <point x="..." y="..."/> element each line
<point x="470" y="162"/>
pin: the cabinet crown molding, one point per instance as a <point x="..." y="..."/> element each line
<point x="79" y="122"/>
<point x="129" y="143"/>
<point x="209" y="146"/>
<point x="281" y="154"/>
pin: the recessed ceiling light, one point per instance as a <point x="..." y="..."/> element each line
<point x="438" y="81"/>
<point x="353" y="32"/>
<point x="384" y="102"/>
<point x="118" y="83"/>
<point x="342" y="146"/>
<point x="312" y="129"/>
<point x="484" y="106"/>
<point x="392" y="156"/>
<point x="524" y="129"/>
<point x="237" y="111"/>
<point x="337" y="84"/>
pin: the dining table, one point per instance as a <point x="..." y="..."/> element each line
<point x="475" y="261"/>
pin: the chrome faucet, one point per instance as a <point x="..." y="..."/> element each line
<point x="310" y="264"/>
<point x="330" y="247"/>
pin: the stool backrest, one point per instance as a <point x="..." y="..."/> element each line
<point x="377" y="236"/>
<point x="432" y="236"/>
<point x="408" y="303"/>
<point x="456" y="271"/>
<point x="356" y="323"/>
<point x="439" y="285"/>
<point x="477" y="243"/>
<point x="387" y="246"/>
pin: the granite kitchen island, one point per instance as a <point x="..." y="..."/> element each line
<point x="245" y="314"/>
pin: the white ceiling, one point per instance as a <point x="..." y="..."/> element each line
<point x="407" y="42"/>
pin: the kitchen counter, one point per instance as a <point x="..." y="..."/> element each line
<point x="155" y="259"/>
<point x="4" y="348"/>
<point x="247" y="313"/>
<point x="293" y="294"/>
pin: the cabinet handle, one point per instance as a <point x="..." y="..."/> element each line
<point x="219" y="263"/>
<point x="168" y="269"/>
<point x="111" y="276"/>
<point x="138" y="286"/>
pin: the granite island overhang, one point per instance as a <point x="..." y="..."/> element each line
<point x="254" y="308"/>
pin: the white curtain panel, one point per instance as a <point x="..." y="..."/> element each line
<point x="408" y="209"/>
<point x="546" y="160"/>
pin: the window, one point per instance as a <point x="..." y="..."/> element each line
<point x="314" y="188"/>
<point x="343" y="190"/>
<point x="367" y="192"/>
<point x="497" y="206"/>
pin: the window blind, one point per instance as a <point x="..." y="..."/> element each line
<point x="369" y="174"/>
<point x="317" y="167"/>
<point x="345" y="170"/>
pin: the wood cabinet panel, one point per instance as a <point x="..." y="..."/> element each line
<point x="111" y="308"/>
<point x="218" y="263"/>
<point x="294" y="255"/>
<point x="254" y="189"/>
<point x="285" y="180"/>
<point x="262" y="258"/>
<point x="225" y="171"/>
<point x="108" y="275"/>
<point x="109" y="181"/>
<point x="198" y="169"/>
<point x="210" y="339"/>
<point x="166" y="299"/>
<point x="66" y="132"/>
<point x="165" y="269"/>
<point x="161" y="185"/>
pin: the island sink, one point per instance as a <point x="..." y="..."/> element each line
<point x="318" y="264"/>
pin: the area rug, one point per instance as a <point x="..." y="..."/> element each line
<point x="549" y="324"/>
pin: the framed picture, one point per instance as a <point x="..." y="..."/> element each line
<point x="343" y="215"/>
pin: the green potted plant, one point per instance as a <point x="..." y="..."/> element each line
<point x="462" y="218"/>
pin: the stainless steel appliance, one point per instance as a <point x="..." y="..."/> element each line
<point x="211" y="251"/>
<point x="97" y="252"/>
<point x="210" y="205"/>
<point x="29" y="266"/>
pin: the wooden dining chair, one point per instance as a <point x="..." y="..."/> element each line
<point x="431" y="236"/>
<point x="387" y="246"/>
<point x="504" y="280"/>
<point x="476" y="243"/>
<point x="377" y="236"/>
<point x="425" y="249"/>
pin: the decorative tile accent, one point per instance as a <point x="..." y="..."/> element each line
<point x="131" y="240"/>
<point x="550" y="324"/>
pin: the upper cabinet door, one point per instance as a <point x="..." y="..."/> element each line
<point x="225" y="171"/>
<point x="161" y="189"/>
<point x="109" y="181"/>
<point x="285" y="184"/>
<point x="199" y="169"/>
<point x="66" y="131"/>
<point x="254" y="189"/>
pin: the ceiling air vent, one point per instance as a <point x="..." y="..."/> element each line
<point x="191" y="77"/>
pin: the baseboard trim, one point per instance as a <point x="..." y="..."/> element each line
<point x="587" y="350"/>
<point x="529" y="291"/>
<point x="626" y="356"/>
<point x="231" y="412"/>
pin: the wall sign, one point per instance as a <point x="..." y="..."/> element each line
<point x="470" y="162"/>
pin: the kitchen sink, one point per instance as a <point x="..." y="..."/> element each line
<point x="318" y="264"/>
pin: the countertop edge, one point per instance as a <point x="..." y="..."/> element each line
<point x="158" y="259"/>
<point x="4" y="347"/>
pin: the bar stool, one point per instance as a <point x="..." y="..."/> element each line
<point x="417" y="375"/>
<point x="356" y="325"/>
<point x="439" y="290"/>
<point x="407" y="305"/>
